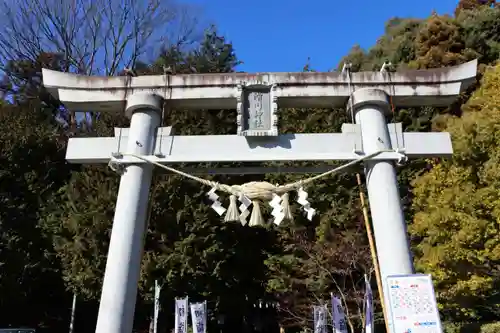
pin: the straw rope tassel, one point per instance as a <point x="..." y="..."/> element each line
<point x="285" y="205"/>
<point x="232" y="214"/>
<point x="256" y="217"/>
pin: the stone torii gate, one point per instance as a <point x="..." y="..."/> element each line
<point x="256" y="98"/>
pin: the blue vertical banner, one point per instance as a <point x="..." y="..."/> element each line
<point x="338" y="316"/>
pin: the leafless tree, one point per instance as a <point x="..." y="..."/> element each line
<point x="337" y="266"/>
<point x="87" y="37"/>
<point x="93" y="37"/>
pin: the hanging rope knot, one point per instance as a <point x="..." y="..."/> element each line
<point x="255" y="190"/>
<point x="251" y="194"/>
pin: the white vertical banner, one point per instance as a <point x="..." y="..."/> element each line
<point x="199" y="317"/>
<point x="73" y="310"/>
<point x="156" y="306"/>
<point x="368" y="307"/>
<point x="320" y="318"/>
<point x="181" y="315"/>
<point x="338" y="316"/>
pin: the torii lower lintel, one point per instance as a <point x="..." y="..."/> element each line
<point x="287" y="147"/>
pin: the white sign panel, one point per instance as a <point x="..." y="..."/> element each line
<point x="413" y="306"/>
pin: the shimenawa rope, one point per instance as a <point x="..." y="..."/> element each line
<point x="250" y="193"/>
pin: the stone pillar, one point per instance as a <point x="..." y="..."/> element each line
<point x="119" y="290"/>
<point x="389" y="225"/>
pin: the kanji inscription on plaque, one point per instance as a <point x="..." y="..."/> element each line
<point x="257" y="110"/>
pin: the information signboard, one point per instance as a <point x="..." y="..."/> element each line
<point x="413" y="306"/>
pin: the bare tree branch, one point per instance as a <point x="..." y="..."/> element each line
<point x="318" y="268"/>
<point x="94" y="37"/>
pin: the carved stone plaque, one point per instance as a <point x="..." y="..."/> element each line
<point x="257" y="110"/>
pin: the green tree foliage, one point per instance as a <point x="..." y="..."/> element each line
<point x="481" y="32"/>
<point x="23" y="79"/>
<point x="396" y="46"/>
<point x="472" y="5"/>
<point x="440" y="43"/>
<point x="32" y="169"/>
<point x="457" y="206"/>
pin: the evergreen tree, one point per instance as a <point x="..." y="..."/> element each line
<point x="32" y="168"/>
<point x="457" y="211"/>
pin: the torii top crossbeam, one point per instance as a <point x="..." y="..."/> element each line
<point x="434" y="87"/>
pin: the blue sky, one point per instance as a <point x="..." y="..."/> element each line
<point x="279" y="35"/>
